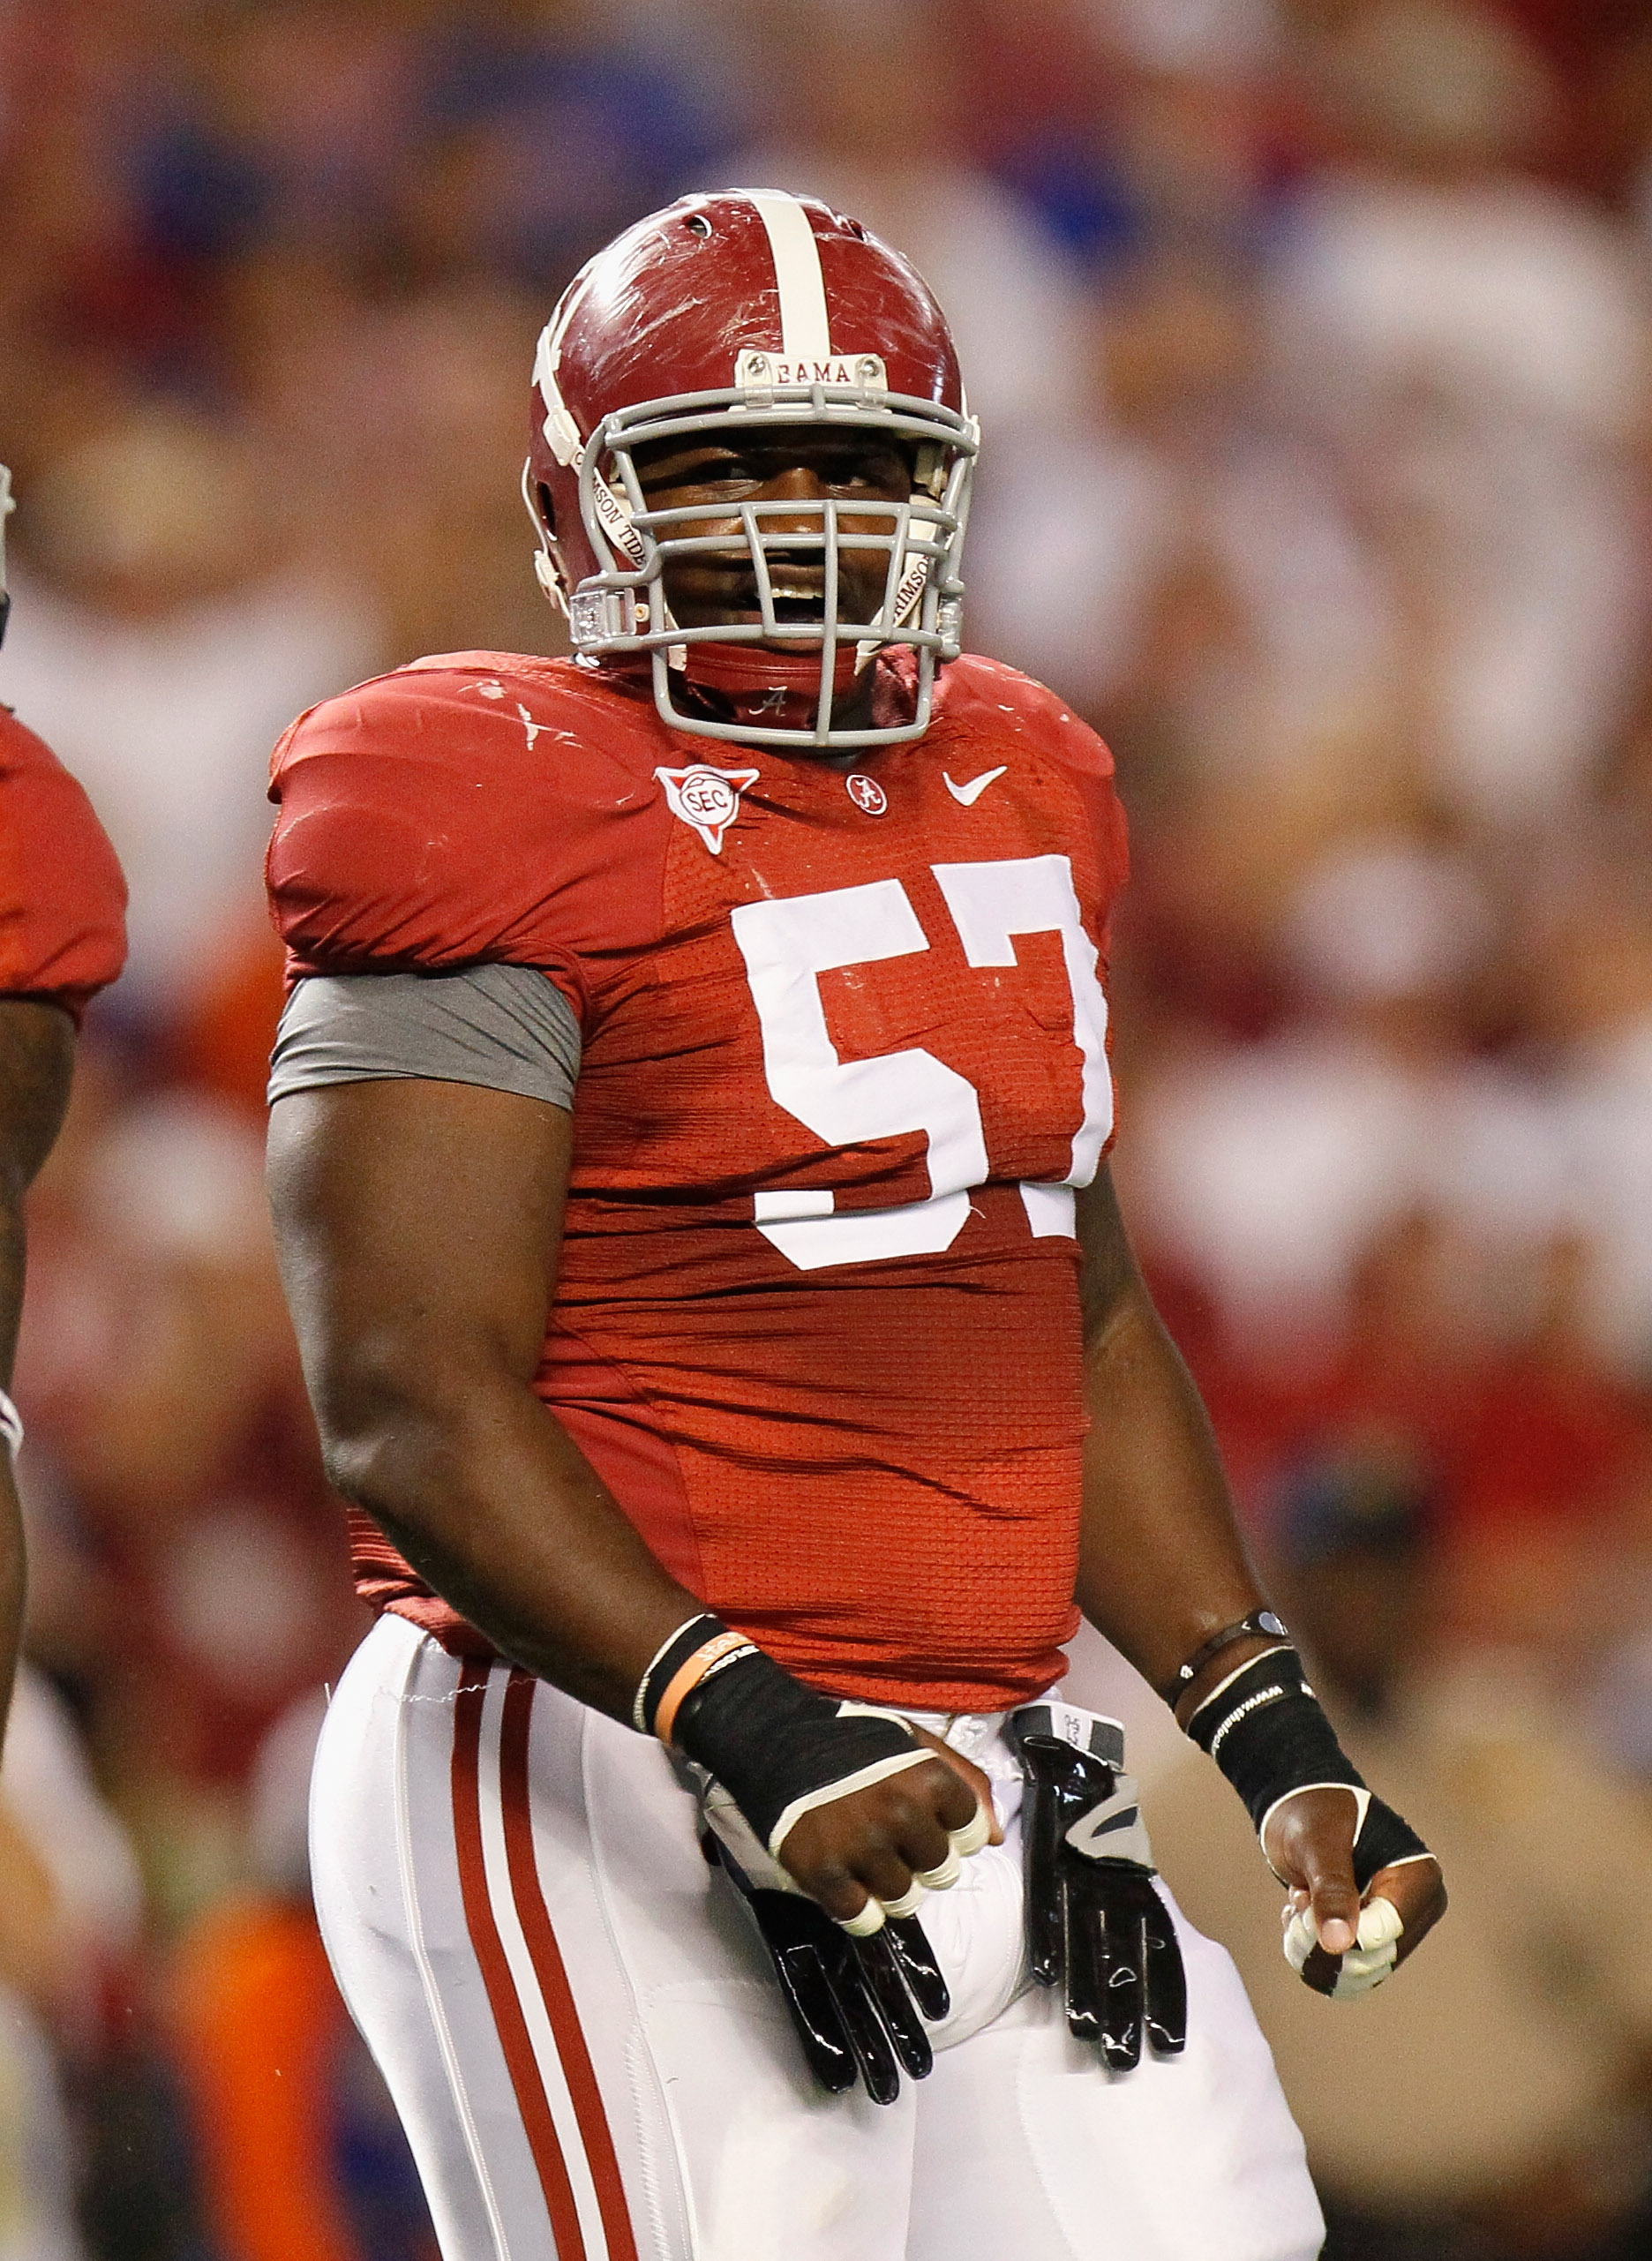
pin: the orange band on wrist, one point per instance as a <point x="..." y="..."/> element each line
<point x="690" y="1674"/>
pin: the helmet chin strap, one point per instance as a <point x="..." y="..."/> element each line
<point x="776" y="688"/>
<point x="750" y="667"/>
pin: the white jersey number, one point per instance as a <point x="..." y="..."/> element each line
<point x="787" y="944"/>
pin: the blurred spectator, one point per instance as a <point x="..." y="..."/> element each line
<point x="840" y="127"/>
<point x="1188" y="571"/>
<point x="1504" y="2110"/>
<point x="424" y="448"/>
<point x="547" y="137"/>
<point x="1272" y="1167"/>
<point x="303" y="2157"/>
<point x="162" y="644"/>
<point x="68" y="1923"/>
<point x="177" y="1425"/>
<point x="1591" y="974"/>
<point x="1477" y="342"/>
<point x="1211" y="39"/>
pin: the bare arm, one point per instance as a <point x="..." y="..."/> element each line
<point x="36" y="1064"/>
<point x="420" y="1226"/>
<point x="1162" y="1566"/>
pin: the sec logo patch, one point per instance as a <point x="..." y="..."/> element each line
<point x="706" y="798"/>
<point x="866" y="793"/>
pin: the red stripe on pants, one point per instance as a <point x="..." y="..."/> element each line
<point x="552" y="1974"/>
<point x="531" y="2100"/>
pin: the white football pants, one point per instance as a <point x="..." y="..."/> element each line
<point x="588" y="2052"/>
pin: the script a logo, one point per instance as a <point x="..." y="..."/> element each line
<point x="706" y="798"/>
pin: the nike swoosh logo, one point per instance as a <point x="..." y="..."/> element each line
<point x="1107" y="1820"/>
<point x="967" y="796"/>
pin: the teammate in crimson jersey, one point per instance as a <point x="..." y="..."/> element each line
<point x="63" y="938"/>
<point x="686" y="1152"/>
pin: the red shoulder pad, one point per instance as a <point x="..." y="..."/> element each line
<point x="63" y="897"/>
<point x="985" y="692"/>
<point x="460" y="811"/>
<point x="977" y="689"/>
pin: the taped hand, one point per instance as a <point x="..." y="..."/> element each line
<point x="1364" y="1965"/>
<point x="1364" y="1889"/>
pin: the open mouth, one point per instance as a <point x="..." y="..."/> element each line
<point x="708" y="589"/>
<point x="798" y="593"/>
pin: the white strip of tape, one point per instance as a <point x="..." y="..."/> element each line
<point x="804" y="325"/>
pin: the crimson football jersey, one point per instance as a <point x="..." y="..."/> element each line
<point x="63" y="900"/>
<point x="816" y="1322"/>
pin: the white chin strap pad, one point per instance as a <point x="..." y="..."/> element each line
<point x="1366" y="1964"/>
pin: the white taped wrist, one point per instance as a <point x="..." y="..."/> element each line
<point x="10" y="1425"/>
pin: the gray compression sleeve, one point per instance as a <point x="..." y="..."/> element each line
<point x="504" y="1026"/>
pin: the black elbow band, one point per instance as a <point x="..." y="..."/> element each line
<point x="1267" y="1733"/>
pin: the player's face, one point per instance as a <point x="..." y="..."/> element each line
<point x="806" y="466"/>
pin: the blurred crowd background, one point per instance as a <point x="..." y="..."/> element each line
<point x="1312" y="342"/>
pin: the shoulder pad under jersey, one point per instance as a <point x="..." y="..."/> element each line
<point x="977" y="689"/>
<point x="984" y="695"/>
<point x="459" y="811"/>
<point x="63" y="897"/>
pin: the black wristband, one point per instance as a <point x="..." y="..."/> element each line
<point x="1267" y="1622"/>
<point x="1267" y="1732"/>
<point x="770" y="1740"/>
<point x="668" y="1661"/>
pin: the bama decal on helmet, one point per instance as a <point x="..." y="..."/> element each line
<point x="706" y="798"/>
<point x="755" y="367"/>
<point x="805" y="356"/>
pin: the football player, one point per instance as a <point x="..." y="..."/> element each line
<point x="62" y="937"/>
<point x="686" y="1150"/>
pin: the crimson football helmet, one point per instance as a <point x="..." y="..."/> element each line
<point x="7" y="506"/>
<point x="743" y="309"/>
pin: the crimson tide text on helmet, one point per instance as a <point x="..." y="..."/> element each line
<point x="722" y="313"/>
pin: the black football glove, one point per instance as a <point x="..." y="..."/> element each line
<point x="1094" y="1919"/>
<point x="854" y="2002"/>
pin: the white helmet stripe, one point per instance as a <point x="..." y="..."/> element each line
<point x="805" y="326"/>
<point x="562" y="433"/>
